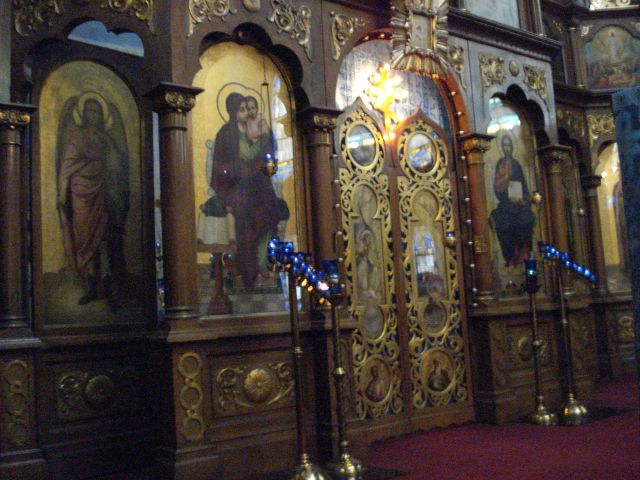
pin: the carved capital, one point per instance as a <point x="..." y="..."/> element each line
<point x="476" y="143"/>
<point x="553" y="156"/>
<point x="15" y="116"/>
<point x="590" y="183"/>
<point x="319" y="119"/>
<point x="170" y="97"/>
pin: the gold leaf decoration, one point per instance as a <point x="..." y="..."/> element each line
<point x="29" y="15"/>
<point x="536" y="80"/>
<point x="600" y="125"/>
<point x="420" y="37"/>
<point x="295" y="22"/>
<point x="208" y="10"/>
<point x="491" y="70"/>
<point x="342" y="28"/>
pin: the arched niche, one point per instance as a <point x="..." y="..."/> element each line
<point x="512" y="174"/>
<point x="612" y="219"/>
<point x="242" y="119"/>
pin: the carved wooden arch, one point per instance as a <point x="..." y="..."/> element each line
<point x="47" y="39"/>
<point x="287" y="62"/>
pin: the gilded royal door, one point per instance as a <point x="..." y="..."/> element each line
<point x="402" y="265"/>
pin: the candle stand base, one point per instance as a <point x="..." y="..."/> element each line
<point x="574" y="413"/>
<point x="542" y="416"/>
<point x="347" y="468"/>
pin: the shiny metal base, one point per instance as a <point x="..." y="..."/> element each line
<point x="308" y="471"/>
<point x="347" y="468"/>
<point x="542" y="416"/>
<point x="574" y="413"/>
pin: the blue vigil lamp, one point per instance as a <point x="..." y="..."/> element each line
<point x="269" y="165"/>
<point x="345" y="466"/>
<point x="541" y="416"/>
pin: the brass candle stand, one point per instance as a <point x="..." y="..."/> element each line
<point x="573" y="412"/>
<point x="346" y="466"/>
<point x="541" y="416"/>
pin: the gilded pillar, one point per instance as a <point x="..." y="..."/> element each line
<point x="173" y="102"/>
<point x="474" y="146"/>
<point x="318" y="125"/>
<point x="590" y="184"/>
<point x="553" y="156"/>
<point x="13" y="120"/>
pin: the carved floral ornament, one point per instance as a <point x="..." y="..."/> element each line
<point x="601" y="125"/>
<point x="456" y="58"/>
<point x="535" y="79"/>
<point x="420" y="37"/>
<point x="491" y="70"/>
<point x="572" y="121"/>
<point x="597" y="4"/>
<point x="342" y="28"/>
<point x="208" y="10"/>
<point x="293" y="21"/>
<point x="29" y="15"/>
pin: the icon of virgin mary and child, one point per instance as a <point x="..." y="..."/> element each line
<point x="243" y="205"/>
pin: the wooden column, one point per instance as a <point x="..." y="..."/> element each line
<point x="579" y="69"/>
<point x="173" y="102"/>
<point x="537" y="26"/>
<point x="474" y="146"/>
<point x="590" y="184"/>
<point x="20" y="456"/>
<point x="553" y="156"/>
<point x="318" y="125"/>
<point x="13" y="120"/>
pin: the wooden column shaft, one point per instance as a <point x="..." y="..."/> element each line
<point x="553" y="156"/>
<point x="319" y="125"/>
<point x="474" y="146"/>
<point x="590" y="184"/>
<point x="579" y="71"/>
<point x="13" y="119"/>
<point x="177" y="201"/>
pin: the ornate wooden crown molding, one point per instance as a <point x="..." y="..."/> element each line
<point x="293" y="21"/>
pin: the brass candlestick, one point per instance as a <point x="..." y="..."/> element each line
<point x="304" y="470"/>
<point x="573" y="413"/>
<point x="541" y="416"/>
<point x="345" y="467"/>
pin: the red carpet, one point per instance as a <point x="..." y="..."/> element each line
<point x="600" y="450"/>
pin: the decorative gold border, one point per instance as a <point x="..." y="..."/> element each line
<point x="450" y="338"/>
<point x="191" y="396"/>
<point x="386" y="347"/>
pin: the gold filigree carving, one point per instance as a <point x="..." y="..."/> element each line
<point x="456" y="59"/>
<point x="181" y="102"/>
<point x="250" y="387"/>
<point x="436" y="346"/>
<point x="83" y="394"/>
<point x="191" y="396"/>
<point x="16" y="428"/>
<point x="573" y="122"/>
<point x="536" y="80"/>
<point x="29" y="15"/>
<point x="141" y="9"/>
<point x="600" y="125"/>
<point x="480" y="244"/>
<point x="365" y="206"/>
<point x="559" y="26"/>
<point x="295" y="22"/>
<point x="14" y="118"/>
<point x="324" y="122"/>
<point x="420" y="37"/>
<point x="208" y="10"/>
<point x="626" y="332"/>
<point x="252" y="5"/>
<point x="582" y="341"/>
<point x="491" y="70"/>
<point x="584" y="30"/>
<point x="342" y="28"/>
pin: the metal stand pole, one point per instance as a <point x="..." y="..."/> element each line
<point x="541" y="416"/>
<point x="573" y="413"/>
<point x="304" y="470"/>
<point x="346" y="467"/>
